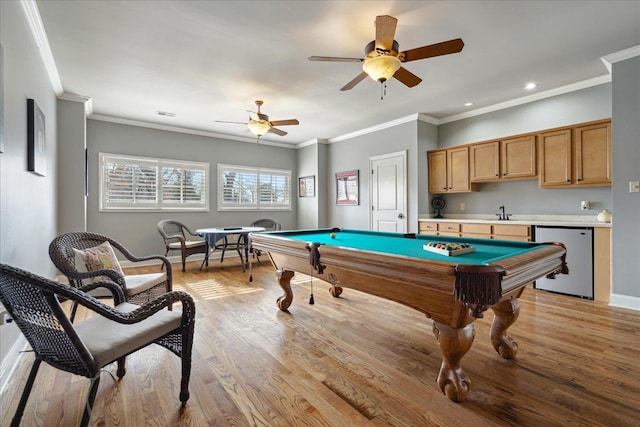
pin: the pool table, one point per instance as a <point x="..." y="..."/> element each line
<point x="451" y="290"/>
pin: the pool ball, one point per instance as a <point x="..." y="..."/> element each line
<point x="332" y="235"/>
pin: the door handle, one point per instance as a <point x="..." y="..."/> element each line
<point x="400" y="215"/>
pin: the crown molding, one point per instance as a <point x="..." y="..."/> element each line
<point x="169" y="128"/>
<point x="385" y="125"/>
<point x="612" y="58"/>
<point x="86" y="100"/>
<point x="32" y="14"/>
<point x="596" y="81"/>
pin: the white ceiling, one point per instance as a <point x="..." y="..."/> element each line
<point x="210" y="60"/>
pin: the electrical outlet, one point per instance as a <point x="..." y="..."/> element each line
<point x="585" y="205"/>
<point x="462" y="206"/>
<point x="634" y="186"/>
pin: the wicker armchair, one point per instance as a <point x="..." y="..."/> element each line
<point x="108" y="336"/>
<point x="175" y="238"/>
<point x="269" y="225"/>
<point x="138" y="288"/>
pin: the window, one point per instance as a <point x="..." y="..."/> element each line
<point x="247" y="188"/>
<point x="142" y="183"/>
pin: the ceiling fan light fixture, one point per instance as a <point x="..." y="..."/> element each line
<point x="258" y="127"/>
<point x="381" y="68"/>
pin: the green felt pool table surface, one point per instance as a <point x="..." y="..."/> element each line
<point x="486" y="251"/>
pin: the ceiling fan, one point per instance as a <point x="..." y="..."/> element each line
<point x="382" y="57"/>
<point x="259" y="123"/>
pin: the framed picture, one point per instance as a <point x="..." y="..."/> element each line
<point x="307" y="186"/>
<point x="36" y="139"/>
<point x="347" y="190"/>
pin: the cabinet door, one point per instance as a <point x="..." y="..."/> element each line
<point x="518" y="156"/>
<point x="484" y="161"/>
<point x="437" y="161"/>
<point x="555" y="158"/>
<point x="458" y="169"/>
<point x="593" y="154"/>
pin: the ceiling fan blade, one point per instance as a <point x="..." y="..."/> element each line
<point x="360" y="77"/>
<point x="385" y="30"/>
<point x="285" y="122"/>
<point x="407" y="77"/>
<point x="334" y="59"/>
<point x="444" y="48"/>
<point x="233" y="123"/>
<point x="277" y="131"/>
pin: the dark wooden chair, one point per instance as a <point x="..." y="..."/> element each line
<point x="137" y="288"/>
<point x="175" y="236"/>
<point x="108" y="336"/>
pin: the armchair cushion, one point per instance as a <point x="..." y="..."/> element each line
<point x="137" y="283"/>
<point x="187" y="244"/>
<point x="108" y="340"/>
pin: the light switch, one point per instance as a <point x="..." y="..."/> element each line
<point x="634" y="186"/>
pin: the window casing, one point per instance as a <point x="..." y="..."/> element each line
<point x="129" y="183"/>
<point x="250" y="188"/>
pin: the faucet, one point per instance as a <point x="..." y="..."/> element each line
<point x="503" y="216"/>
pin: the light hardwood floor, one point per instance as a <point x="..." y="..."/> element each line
<point x="356" y="360"/>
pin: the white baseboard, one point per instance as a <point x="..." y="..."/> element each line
<point x="10" y="363"/>
<point x="625" y="301"/>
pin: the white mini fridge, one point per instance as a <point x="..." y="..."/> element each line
<point x="579" y="244"/>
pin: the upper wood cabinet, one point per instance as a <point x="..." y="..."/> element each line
<point x="577" y="156"/>
<point x="518" y="157"/>
<point x="484" y="161"/>
<point x="449" y="170"/>
<point x="513" y="158"/>
<point x="555" y="158"/>
<point x="592" y="154"/>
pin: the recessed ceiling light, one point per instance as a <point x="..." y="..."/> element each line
<point x="530" y="86"/>
<point x="468" y="104"/>
<point x="165" y="113"/>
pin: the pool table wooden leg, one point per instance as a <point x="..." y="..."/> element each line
<point x="506" y="312"/>
<point x="284" y="278"/>
<point x="454" y="344"/>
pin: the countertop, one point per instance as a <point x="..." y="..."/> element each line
<point x="552" y="220"/>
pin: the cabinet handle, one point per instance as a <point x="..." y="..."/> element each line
<point x="568" y="180"/>
<point x="579" y="179"/>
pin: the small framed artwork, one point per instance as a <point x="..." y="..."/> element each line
<point x="347" y="190"/>
<point x="307" y="186"/>
<point x="36" y="139"/>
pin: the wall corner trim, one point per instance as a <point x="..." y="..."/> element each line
<point x="32" y="14"/>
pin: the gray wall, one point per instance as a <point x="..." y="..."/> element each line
<point x="137" y="230"/>
<point x="72" y="135"/>
<point x="525" y="197"/>
<point x="427" y="140"/>
<point x="308" y="164"/>
<point x="626" y="158"/>
<point x="28" y="203"/>
<point x="353" y="154"/>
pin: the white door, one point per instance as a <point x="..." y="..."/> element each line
<point x="389" y="192"/>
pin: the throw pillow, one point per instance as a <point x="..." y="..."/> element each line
<point x="100" y="257"/>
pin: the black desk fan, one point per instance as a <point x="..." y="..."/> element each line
<point x="438" y="204"/>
